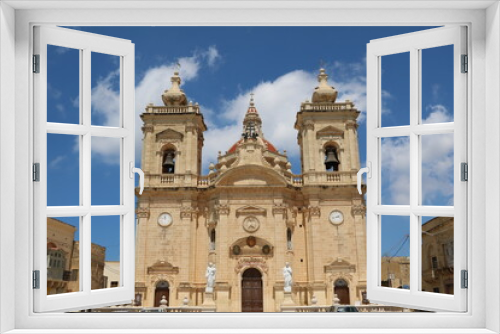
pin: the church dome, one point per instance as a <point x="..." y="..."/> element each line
<point x="270" y="147"/>
<point x="174" y="96"/>
<point x="324" y="92"/>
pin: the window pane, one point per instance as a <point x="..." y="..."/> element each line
<point x="63" y="257"/>
<point x="395" y="93"/>
<point x="437" y="254"/>
<point x="106" y="171"/>
<point x="63" y="170"/>
<point x="395" y="171"/>
<point x="105" y="253"/>
<point x="63" y="85"/>
<point x="395" y="248"/>
<point x="437" y="84"/>
<point x="437" y="169"/>
<point x="105" y="90"/>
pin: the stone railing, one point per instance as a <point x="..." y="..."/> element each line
<point x="325" y="178"/>
<point x="339" y="106"/>
<point x="205" y="181"/>
<point x="169" y="309"/>
<point x="361" y="308"/>
<point x="312" y="308"/>
<point x="173" y="109"/>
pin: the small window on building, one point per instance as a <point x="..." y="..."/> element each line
<point x="434" y="262"/>
<point x="114" y="284"/>
<point x="212" y="240"/>
<point x="289" y="239"/>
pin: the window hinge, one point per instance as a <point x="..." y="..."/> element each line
<point x="465" y="64"/>
<point x="36" y="63"/>
<point x="36" y="172"/>
<point x="464" y="171"/>
<point x="36" y="279"/>
<point x="465" y="279"/>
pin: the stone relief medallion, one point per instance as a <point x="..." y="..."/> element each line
<point x="251" y="224"/>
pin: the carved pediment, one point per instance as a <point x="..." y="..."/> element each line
<point x="251" y="210"/>
<point x="330" y="131"/>
<point x="249" y="176"/>
<point x="169" y="134"/>
<point x="162" y="267"/>
<point x="340" y="266"/>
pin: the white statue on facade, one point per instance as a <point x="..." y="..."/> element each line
<point x="210" y="275"/>
<point x="287" y="274"/>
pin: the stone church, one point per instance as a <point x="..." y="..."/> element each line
<point x="250" y="215"/>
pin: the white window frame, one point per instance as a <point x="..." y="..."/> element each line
<point x="414" y="44"/>
<point x="483" y="20"/>
<point x="85" y="43"/>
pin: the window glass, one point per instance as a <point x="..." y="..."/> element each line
<point x="63" y="85"/>
<point x="63" y="255"/>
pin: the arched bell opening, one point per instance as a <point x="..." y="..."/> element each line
<point x="332" y="161"/>
<point x="168" y="161"/>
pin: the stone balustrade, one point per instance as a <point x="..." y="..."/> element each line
<point x="173" y="109"/>
<point x="361" y="308"/>
<point x="205" y="181"/>
<point x="168" y="309"/>
<point x="338" y="106"/>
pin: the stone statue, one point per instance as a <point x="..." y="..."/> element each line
<point x="287" y="274"/>
<point x="210" y="275"/>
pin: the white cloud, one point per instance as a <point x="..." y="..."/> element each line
<point x="212" y="55"/>
<point x="437" y="165"/>
<point x="56" y="162"/>
<point x="438" y="114"/>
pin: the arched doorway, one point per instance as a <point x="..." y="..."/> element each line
<point x="341" y="289"/>
<point x="251" y="291"/>
<point x="162" y="289"/>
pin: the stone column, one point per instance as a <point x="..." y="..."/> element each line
<point x="359" y="212"/>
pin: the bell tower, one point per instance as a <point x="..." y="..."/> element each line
<point x="333" y="210"/>
<point x="327" y="134"/>
<point x="173" y="139"/>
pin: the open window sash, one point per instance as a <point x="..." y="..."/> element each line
<point x="84" y="296"/>
<point x="414" y="296"/>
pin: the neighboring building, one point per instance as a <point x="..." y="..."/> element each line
<point x="112" y="273"/>
<point x="396" y="272"/>
<point x="63" y="259"/>
<point x="437" y="255"/>
<point x="250" y="215"/>
<point x="60" y="247"/>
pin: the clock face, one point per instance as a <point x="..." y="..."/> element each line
<point x="165" y="219"/>
<point x="336" y="217"/>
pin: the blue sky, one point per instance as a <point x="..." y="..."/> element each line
<point x="220" y="66"/>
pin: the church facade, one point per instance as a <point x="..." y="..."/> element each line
<point x="250" y="216"/>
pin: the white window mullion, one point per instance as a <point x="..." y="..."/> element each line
<point x="86" y="163"/>
<point x="414" y="167"/>
<point x="373" y="147"/>
<point x="127" y="228"/>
